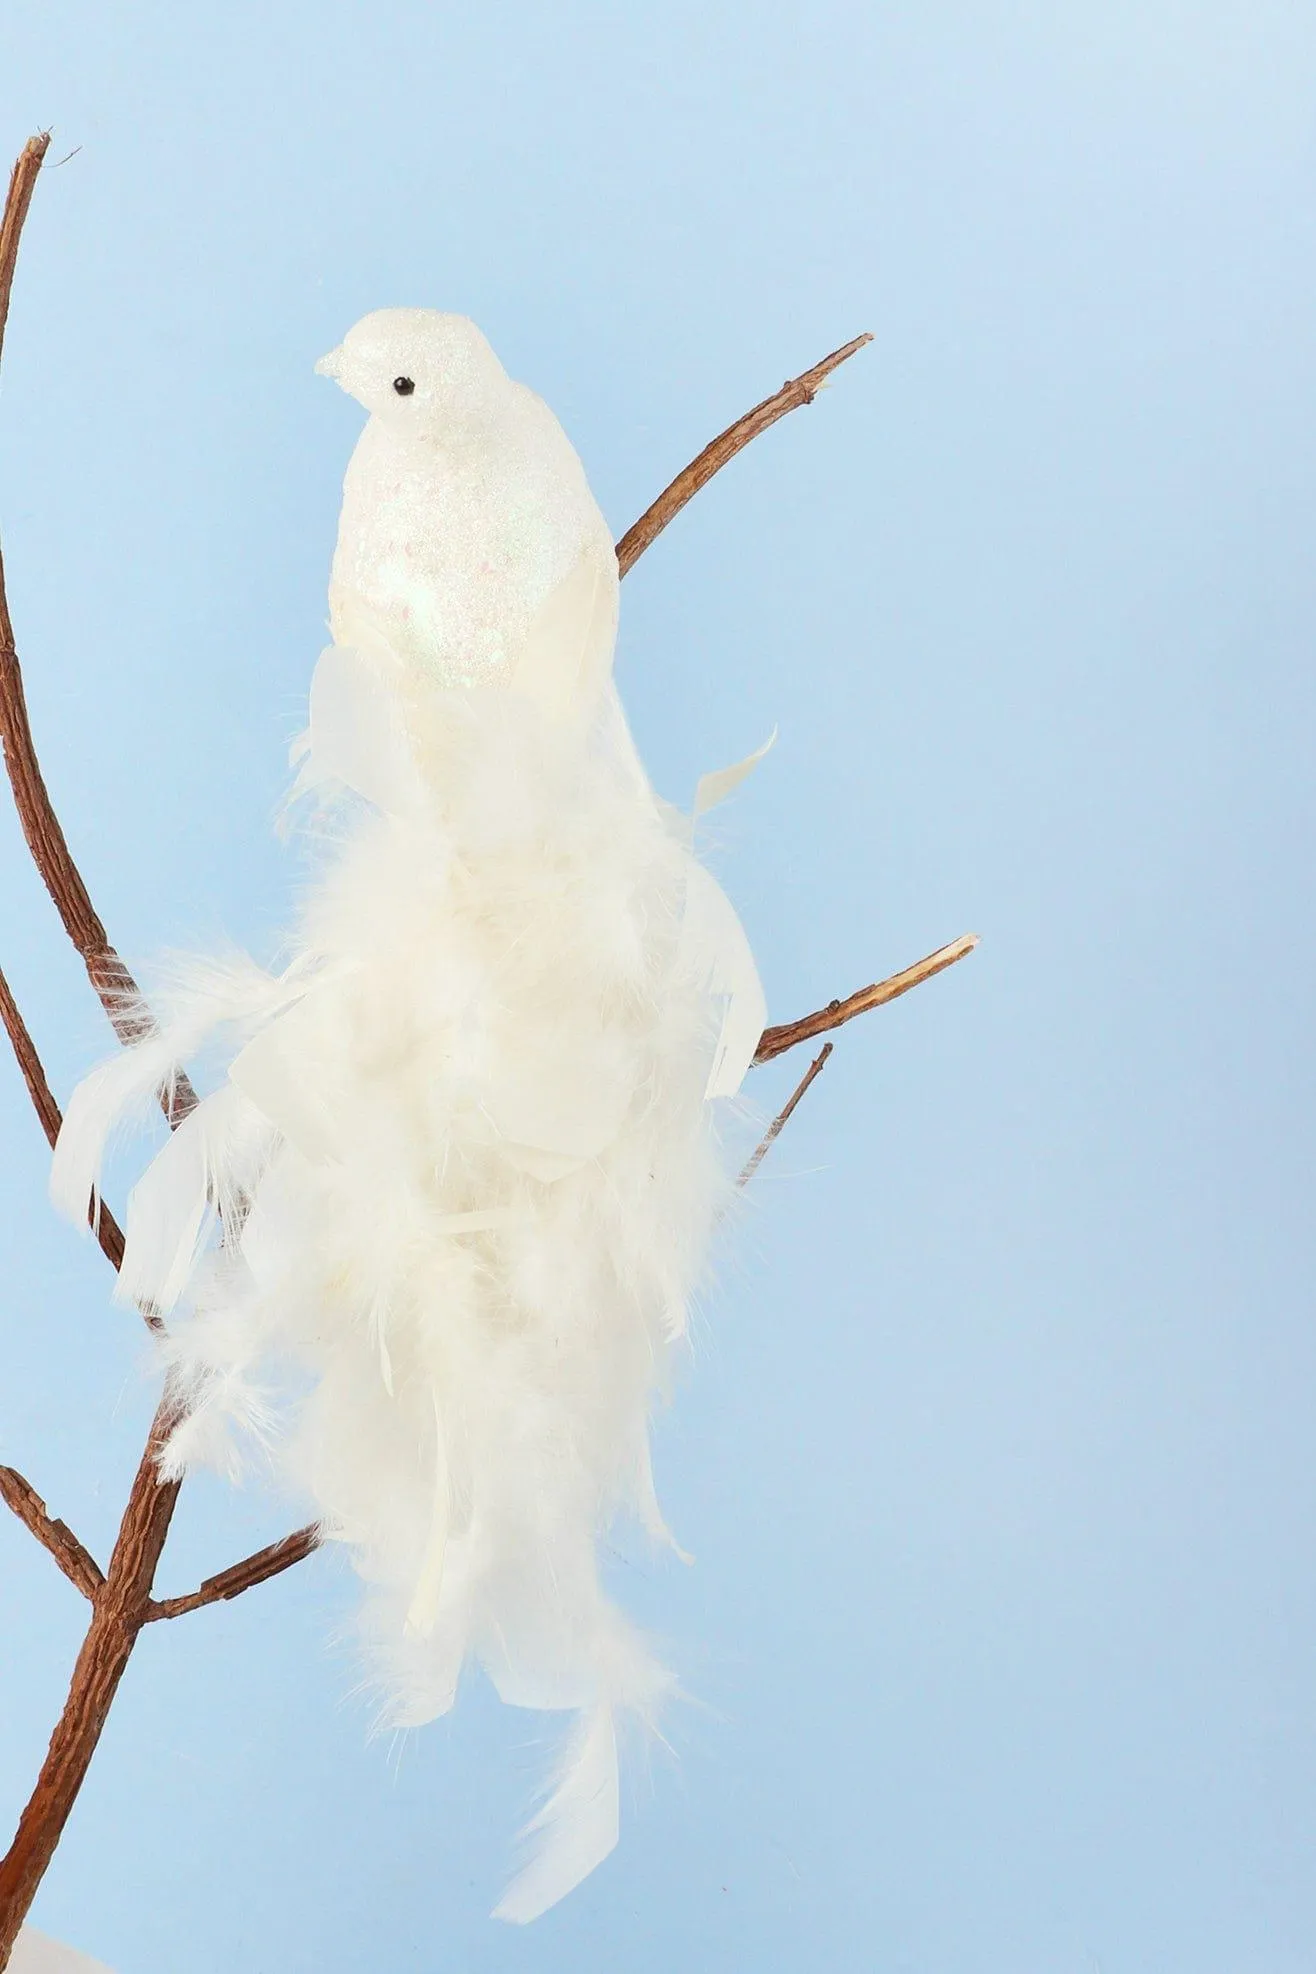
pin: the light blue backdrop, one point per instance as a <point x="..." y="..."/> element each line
<point x="996" y="1451"/>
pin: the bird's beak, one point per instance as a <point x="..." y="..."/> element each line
<point x="331" y="365"/>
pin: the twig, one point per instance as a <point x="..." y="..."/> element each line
<point x="800" y="390"/>
<point x="29" y="1062"/>
<point x="102" y="1222"/>
<point x="114" y="985"/>
<point x="776" y="1041"/>
<point x="268" y="1562"/>
<point x="77" y="1563"/>
<point x="109" y="976"/>
<point x="22" y="184"/>
<point x="780" y="1121"/>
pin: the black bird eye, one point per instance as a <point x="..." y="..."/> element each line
<point x="404" y="386"/>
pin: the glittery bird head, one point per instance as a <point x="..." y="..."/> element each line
<point x="417" y="370"/>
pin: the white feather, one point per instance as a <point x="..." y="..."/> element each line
<point x="270" y="1072"/>
<point x="422" y="1616"/>
<point x="567" y="654"/>
<point x="577" y="1827"/>
<point x="125" y="1085"/>
<point x="714" y="787"/>
<point x="717" y="953"/>
<point x="196" y="998"/>
<point x="169" y="1208"/>
<point x="355" y="735"/>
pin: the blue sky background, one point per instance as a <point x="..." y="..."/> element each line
<point x="996" y="1450"/>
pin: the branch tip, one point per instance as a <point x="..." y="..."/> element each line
<point x="776" y="1041"/>
<point x="267" y="1562"/>
<point x="77" y="1562"/>
<point x="795" y="392"/>
<point x="780" y="1121"/>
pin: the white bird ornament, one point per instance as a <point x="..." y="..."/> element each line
<point x="433" y="1237"/>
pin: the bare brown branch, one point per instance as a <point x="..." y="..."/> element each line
<point x="77" y="1563"/>
<point x="41" y="826"/>
<point x="46" y="840"/>
<point x="780" y="1121"/>
<point x="29" y="1062"/>
<point x="114" y="985"/>
<point x="776" y="1041"/>
<point x="103" y="1223"/>
<point x="118" y="1614"/>
<point x="800" y="390"/>
<point x="268" y="1562"/>
<point x="120" y="1603"/>
<point x="22" y="184"/>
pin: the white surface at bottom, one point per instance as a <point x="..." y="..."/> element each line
<point x="34" y="1953"/>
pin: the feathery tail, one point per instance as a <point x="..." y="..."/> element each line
<point x="578" y="1825"/>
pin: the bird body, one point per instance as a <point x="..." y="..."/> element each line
<point x="432" y="1239"/>
<point x="486" y="457"/>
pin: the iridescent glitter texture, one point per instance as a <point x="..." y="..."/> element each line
<point x="443" y="551"/>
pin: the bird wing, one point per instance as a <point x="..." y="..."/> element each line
<point x="567" y="655"/>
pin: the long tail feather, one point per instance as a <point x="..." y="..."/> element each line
<point x="578" y="1825"/>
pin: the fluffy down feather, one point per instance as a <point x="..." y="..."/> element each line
<point x="461" y="1174"/>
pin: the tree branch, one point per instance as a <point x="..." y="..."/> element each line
<point x="776" y="1041"/>
<point x="800" y="390"/>
<point x="77" y="1563"/>
<point x="29" y="1062"/>
<point x="120" y="1603"/>
<point x="22" y="184"/>
<point x="118" y="1614"/>
<point x="780" y="1121"/>
<point x="268" y="1562"/>
<point x="101" y="1221"/>
<point x="115" y="986"/>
